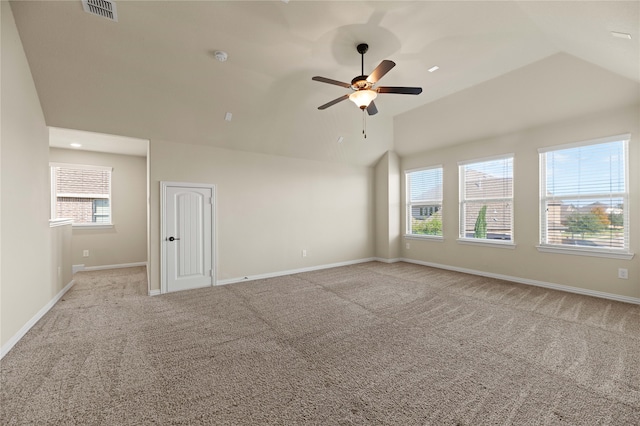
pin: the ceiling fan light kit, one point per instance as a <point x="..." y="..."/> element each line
<point x="364" y="86"/>
<point x="362" y="98"/>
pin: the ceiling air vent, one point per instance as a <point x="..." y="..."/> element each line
<point x="103" y="8"/>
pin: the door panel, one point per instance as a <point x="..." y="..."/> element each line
<point x="190" y="223"/>
<point x="188" y="237"/>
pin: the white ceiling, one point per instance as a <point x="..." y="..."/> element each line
<point x="152" y="75"/>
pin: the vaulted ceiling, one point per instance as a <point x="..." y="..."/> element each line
<point x="152" y="74"/>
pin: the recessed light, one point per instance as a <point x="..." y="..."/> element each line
<point x="76" y="145"/>
<point x="621" y="35"/>
<point x="433" y="68"/>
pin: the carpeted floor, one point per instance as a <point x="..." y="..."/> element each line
<point x="366" y="344"/>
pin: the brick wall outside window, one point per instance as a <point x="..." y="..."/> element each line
<point x="82" y="194"/>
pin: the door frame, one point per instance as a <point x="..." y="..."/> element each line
<point x="163" y="204"/>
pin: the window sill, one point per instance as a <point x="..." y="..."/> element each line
<point x="59" y="222"/>
<point x="487" y="243"/>
<point x="584" y="252"/>
<point x="90" y="226"/>
<point x="438" y="238"/>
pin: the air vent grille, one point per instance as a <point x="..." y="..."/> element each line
<point x="103" y="8"/>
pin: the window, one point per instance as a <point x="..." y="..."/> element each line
<point x="424" y="202"/>
<point x="584" y="196"/>
<point x="81" y="193"/>
<point x="486" y="200"/>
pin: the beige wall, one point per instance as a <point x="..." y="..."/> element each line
<point x="589" y="273"/>
<point x="25" y="274"/>
<point x="269" y="208"/>
<point x="61" y="265"/>
<point x="126" y="242"/>
<point x="387" y="189"/>
<point x="381" y="172"/>
<point x="394" y="206"/>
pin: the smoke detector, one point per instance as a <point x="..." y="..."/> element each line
<point x="102" y="8"/>
<point x="220" y="55"/>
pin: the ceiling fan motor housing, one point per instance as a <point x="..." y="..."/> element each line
<point x="360" y="83"/>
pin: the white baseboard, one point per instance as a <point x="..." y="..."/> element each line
<point x="293" y="271"/>
<point x="536" y="283"/>
<point x="103" y="267"/>
<point x="76" y="268"/>
<point x="154" y="292"/>
<point x="384" y="260"/>
<point x="25" y="328"/>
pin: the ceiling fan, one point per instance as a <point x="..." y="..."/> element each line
<point x="364" y="86"/>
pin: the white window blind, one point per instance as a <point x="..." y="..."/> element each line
<point x="486" y="199"/>
<point x="81" y="193"/>
<point x="584" y="195"/>
<point x="424" y="201"/>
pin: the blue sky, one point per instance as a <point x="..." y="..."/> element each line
<point x="592" y="169"/>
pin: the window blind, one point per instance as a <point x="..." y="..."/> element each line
<point x="424" y="201"/>
<point x="584" y="195"/>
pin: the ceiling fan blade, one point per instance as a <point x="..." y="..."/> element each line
<point x="371" y="109"/>
<point x="384" y="67"/>
<point x="400" y="90"/>
<point x="330" y="81"/>
<point x="333" y="102"/>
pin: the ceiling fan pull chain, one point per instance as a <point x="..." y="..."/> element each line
<point x="364" y="124"/>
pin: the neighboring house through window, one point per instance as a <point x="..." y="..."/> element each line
<point x="424" y="201"/>
<point x="486" y="200"/>
<point x="584" y="196"/>
<point x="81" y="193"/>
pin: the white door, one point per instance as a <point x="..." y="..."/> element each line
<point x="187" y="236"/>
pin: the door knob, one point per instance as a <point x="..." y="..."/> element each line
<point x="173" y="239"/>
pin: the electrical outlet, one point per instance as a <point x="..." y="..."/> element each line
<point x="408" y="246"/>
<point x="85" y="253"/>
<point x="304" y="253"/>
<point x="623" y="273"/>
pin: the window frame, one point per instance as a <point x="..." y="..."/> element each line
<point x="409" y="203"/>
<point x="607" y="252"/>
<point x="509" y="244"/>
<point x="54" y="193"/>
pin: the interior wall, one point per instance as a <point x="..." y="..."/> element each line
<point x="525" y="262"/>
<point x="381" y="171"/>
<point x="387" y="187"/>
<point x="393" y="206"/>
<point x="61" y="265"/>
<point x="269" y="208"/>
<point x="125" y="242"/>
<point x="25" y="275"/>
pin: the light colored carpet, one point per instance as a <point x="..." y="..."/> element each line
<point x="364" y="344"/>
